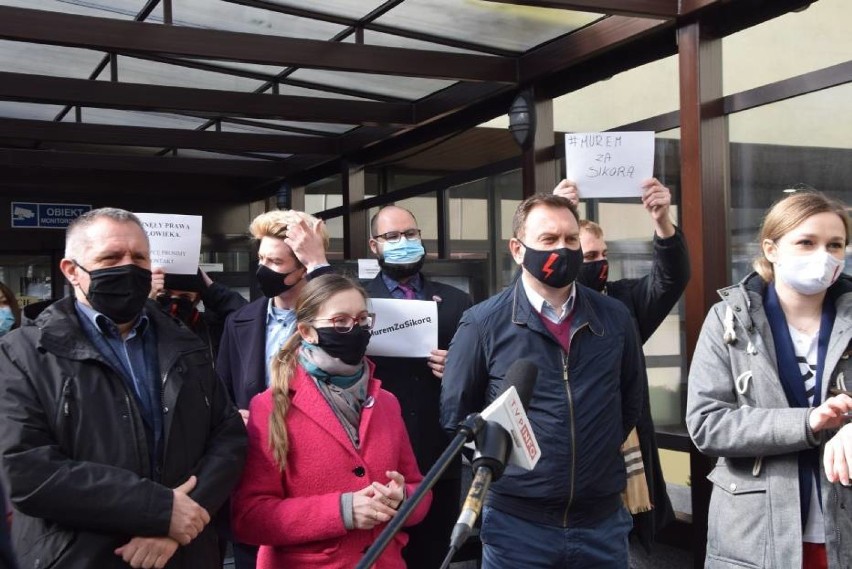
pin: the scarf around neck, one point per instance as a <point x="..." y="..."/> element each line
<point x="344" y="386"/>
<point x="791" y="380"/>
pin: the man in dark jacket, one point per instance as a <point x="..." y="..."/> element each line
<point x="567" y="511"/>
<point x="650" y="300"/>
<point x="417" y="382"/>
<point x="118" y="441"/>
<point x="179" y="295"/>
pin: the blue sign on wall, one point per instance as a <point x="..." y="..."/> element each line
<point x="46" y="215"/>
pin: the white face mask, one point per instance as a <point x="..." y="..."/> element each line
<point x="809" y="274"/>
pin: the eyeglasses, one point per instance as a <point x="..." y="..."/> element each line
<point x="394" y="236"/>
<point x="344" y="323"/>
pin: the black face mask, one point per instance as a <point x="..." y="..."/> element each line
<point x="594" y="274"/>
<point x="349" y="347"/>
<point x="119" y="293"/>
<point x="181" y="308"/>
<point x="272" y="282"/>
<point x="401" y="272"/>
<point x="555" y="268"/>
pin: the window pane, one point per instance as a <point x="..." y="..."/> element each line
<point x="488" y="23"/>
<point x="790" y="45"/>
<point x="800" y="142"/>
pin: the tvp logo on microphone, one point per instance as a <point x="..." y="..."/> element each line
<point x="519" y="418"/>
<point x="508" y="411"/>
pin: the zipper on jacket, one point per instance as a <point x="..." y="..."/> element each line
<point x="573" y="434"/>
<point x="161" y="460"/>
<point x="131" y="417"/>
<point x="67" y="395"/>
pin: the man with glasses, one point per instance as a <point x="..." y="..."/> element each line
<point x="416" y="382"/>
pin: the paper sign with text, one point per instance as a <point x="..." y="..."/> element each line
<point x="403" y="328"/>
<point x="368" y="269"/>
<point x="609" y="164"/>
<point x="175" y="241"/>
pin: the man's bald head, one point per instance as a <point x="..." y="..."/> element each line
<point x="391" y="215"/>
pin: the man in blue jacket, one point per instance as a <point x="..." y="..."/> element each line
<point x="650" y="300"/>
<point x="567" y="511"/>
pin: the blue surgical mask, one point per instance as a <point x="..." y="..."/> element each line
<point x="403" y="252"/>
<point x="7" y="320"/>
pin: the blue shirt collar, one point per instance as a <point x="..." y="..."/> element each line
<point x="275" y="314"/>
<point x="106" y="326"/>
<point x="544" y="308"/>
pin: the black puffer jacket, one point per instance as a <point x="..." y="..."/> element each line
<point x="74" y="451"/>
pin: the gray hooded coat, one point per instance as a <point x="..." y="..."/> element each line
<point x="737" y="411"/>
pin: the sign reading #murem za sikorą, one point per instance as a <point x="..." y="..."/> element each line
<point x="46" y="215"/>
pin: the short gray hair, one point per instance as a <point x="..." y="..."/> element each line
<point x="75" y="234"/>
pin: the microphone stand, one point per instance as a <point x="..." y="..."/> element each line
<point x="467" y="431"/>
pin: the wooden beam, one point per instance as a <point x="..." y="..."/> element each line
<point x="705" y="197"/>
<point x="635" y="8"/>
<point x="132" y="96"/>
<point x="87" y="161"/>
<point x="164" y="137"/>
<point x="355" y="232"/>
<point x="598" y="38"/>
<point x="538" y="173"/>
<point x="109" y="34"/>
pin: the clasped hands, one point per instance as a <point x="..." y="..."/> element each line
<point x="188" y="519"/>
<point x="378" y="503"/>
<point x="837" y="456"/>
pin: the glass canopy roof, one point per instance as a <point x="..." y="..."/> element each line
<point x="469" y="28"/>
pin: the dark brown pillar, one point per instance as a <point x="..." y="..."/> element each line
<point x="538" y="171"/>
<point x="705" y="183"/>
<point x="355" y="239"/>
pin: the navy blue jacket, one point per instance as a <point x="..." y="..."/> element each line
<point x="584" y="404"/>
<point x="242" y="351"/>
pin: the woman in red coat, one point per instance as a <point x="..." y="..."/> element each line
<point x="329" y="460"/>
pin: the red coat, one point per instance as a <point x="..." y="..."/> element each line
<point x="295" y="515"/>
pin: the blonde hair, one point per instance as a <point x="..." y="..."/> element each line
<point x="591" y="227"/>
<point x="275" y="223"/>
<point x="311" y="299"/>
<point x="786" y="214"/>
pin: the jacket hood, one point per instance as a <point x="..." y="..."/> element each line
<point x="743" y="299"/>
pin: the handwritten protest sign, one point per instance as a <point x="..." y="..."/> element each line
<point x="403" y="328"/>
<point x="175" y="241"/>
<point x="609" y="164"/>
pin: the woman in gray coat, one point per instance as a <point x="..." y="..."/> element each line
<point x="767" y="397"/>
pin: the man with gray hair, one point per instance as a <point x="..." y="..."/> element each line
<point x="117" y="439"/>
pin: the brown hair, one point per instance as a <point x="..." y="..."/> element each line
<point x="786" y="214"/>
<point x="591" y="227"/>
<point x="311" y="299"/>
<point x="549" y="200"/>
<point x="12" y="301"/>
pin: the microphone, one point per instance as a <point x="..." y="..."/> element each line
<point x="509" y="411"/>
<point x="505" y="437"/>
